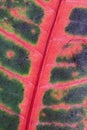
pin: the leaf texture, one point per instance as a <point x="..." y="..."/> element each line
<point x="43" y="65"/>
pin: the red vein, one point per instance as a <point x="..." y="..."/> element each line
<point x="40" y="70"/>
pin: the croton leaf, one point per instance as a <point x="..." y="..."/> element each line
<point x="43" y="65"/>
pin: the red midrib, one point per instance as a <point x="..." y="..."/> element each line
<point x="40" y="70"/>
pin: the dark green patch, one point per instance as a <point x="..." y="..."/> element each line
<point x="75" y="115"/>
<point x="53" y="127"/>
<point x="51" y="115"/>
<point x="35" y="12"/>
<point x="79" y="14"/>
<point x="77" y="28"/>
<point x="78" y="24"/>
<point x="48" y="99"/>
<point x="62" y="74"/>
<point x="29" y="32"/>
<point x="19" y="3"/>
<point x="71" y="116"/>
<point x="15" y="3"/>
<point x="75" y="95"/>
<point x="11" y="92"/>
<point x="81" y="61"/>
<point x="64" y="59"/>
<point x="8" y="122"/>
<point x="4" y="14"/>
<point x="20" y="62"/>
<point x="9" y="4"/>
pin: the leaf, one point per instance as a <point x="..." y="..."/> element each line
<point x="43" y="65"/>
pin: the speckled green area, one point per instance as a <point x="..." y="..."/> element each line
<point x="81" y="61"/>
<point x="62" y="74"/>
<point x="53" y="127"/>
<point x="11" y="92"/>
<point x="76" y="95"/>
<point x="52" y="116"/>
<point x="19" y="3"/>
<point x="8" y="122"/>
<point x="25" y="30"/>
<point x="64" y="59"/>
<point x="35" y="12"/>
<point x="48" y="99"/>
<point x="12" y="4"/>
<point x="71" y="116"/>
<point x="20" y="62"/>
<point x="4" y="14"/>
<point x="8" y="4"/>
<point x="28" y="31"/>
